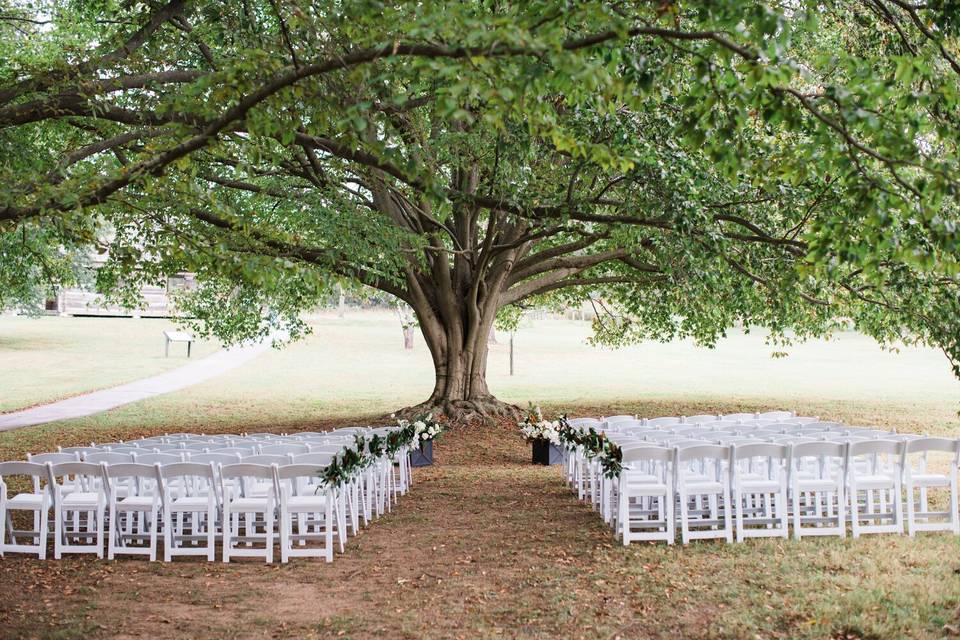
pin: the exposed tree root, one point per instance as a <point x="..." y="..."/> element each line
<point x="485" y="410"/>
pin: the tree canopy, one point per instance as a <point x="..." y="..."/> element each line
<point x="688" y="166"/>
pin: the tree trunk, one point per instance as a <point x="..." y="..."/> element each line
<point x="459" y="347"/>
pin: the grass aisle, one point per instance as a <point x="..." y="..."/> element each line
<point x="488" y="545"/>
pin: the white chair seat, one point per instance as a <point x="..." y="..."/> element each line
<point x="929" y="480"/>
<point x="307" y="503"/>
<point x="816" y="484"/>
<point x="875" y="482"/>
<point x="249" y="504"/>
<point x="136" y="502"/>
<point x="25" y="501"/>
<point x="81" y="499"/>
<point x="190" y="502"/>
<point x="759" y="486"/>
<point x="708" y="486"/>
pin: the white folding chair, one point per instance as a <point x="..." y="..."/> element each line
<point x="134" y="516"/>
<point x="158" y="458"/>
<point x="258" y="510"/>
<point x="311" y="506"/>
<point x="703" y="490"/>
<point x="776" y="415"/>
<point x="662" y="422"/>
<point x="645" y="495"/>
<point x="38" y="502"/>
<point x="919" y="478"/>
<point x="759" y="487"/>
<point x="285" y="449"/>
<point x="88" y="504"/>
<point x="191" y="504"/>
<point x="873" y="468"/>
<point x="818" y="488"/>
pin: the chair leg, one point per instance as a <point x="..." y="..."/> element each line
<point x="168" y="537"/>
<point x="112" y="532"/>
<point x="44" y="534"/>
<point x="153" y="533"/>
<point x="727" y="516"/>
<point x="268" y="520"/>
<point x="911" y="511"/>
<point x="285" y="533"/>
<point x="738" y="507"/>
<point x="227" y="530"/>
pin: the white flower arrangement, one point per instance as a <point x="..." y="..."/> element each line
<point x="535" y="427"/>
<point x="424" y="428"/>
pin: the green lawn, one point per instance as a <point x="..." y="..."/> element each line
<point x="50" y="358"/>
<point x="356" y="366"/>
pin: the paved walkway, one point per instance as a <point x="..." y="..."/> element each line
<point x="90" y="403"/>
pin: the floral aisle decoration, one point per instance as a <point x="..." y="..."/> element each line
<point x="594" y="444"/>
<point x="347" y="464"/>
<point x="421" y="430"/>
<point x="543" y="436"/>
<point x="535" y="427"/>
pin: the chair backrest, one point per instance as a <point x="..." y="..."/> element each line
<point x="760" y="450"/>
<point x="266" y="459"/>
<point x="870" y="447"/>
<point x="197" y="446"/>
<point x="584" y="422"/>
<point x="703" y="451"/>
<point x="129" y="470"/>
<point x="313" y="458"/>
<point x="158" y="458"/>
<point x="108" y="457"/>
<point x="187" y="469"/>
<point x="17" y="468"/>
<point x="245" y="470"/>
<point x="946" y="445"/>
<point x="686" y="442"/>
<point x="740" y="416"/>
<point x="640" y="453"/>
<point x="776" y="415"/>
<point x="619" y="418"/>
<point x="242" y="451"/>
<point x="165" y="447"/>
<point x="215" y="458"/>
<point x="73" y="469"/>
<point x="288" y="471"/>
<point x="80" y="450"/>
<point x="285" y="448"/>
<point x="43" y="458"/>
<point x="703" y="417"/>
<point x="328" y="449"/>
<point x="624" y="424"/>
<point x="819" y="449"/>
<point x="659" y="422"/>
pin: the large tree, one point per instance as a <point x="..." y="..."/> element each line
<point x="687" y="166"/>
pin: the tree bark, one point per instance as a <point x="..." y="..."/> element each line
<point x="459" y="346"/>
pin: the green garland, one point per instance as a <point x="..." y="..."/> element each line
<point x="595" y="445"/>
<point x="351" y="461"/>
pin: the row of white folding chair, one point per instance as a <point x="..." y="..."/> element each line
<point x="815" y="498"/>
<point x="290" y="492"/>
